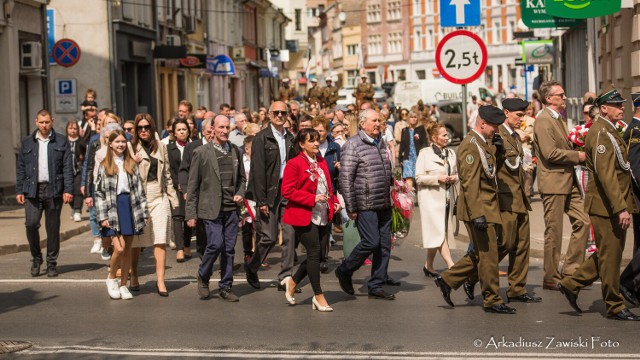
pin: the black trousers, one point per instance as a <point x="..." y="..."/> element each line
<point x="247" y="238"/>
<point x="630" y="277"/>
<point x="314" y="238"/>
<point x="78" y="199"/>
<point x="181" y="232"/>
<point x="34" y="207"/>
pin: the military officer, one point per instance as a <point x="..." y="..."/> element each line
<point x="364" y="91"/>
<point x="330" y="94"/>
<point x="287" y="93"/>
<point x="630" y="277"/>
<point x="314" y="94"/>
<point x="478" y="208"/>
<point x="609" y="203"/>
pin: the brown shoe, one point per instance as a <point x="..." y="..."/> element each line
<point x="547" y="286"/>
<point x="337" y="229"/>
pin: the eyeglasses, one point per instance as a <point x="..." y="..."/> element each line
<point x="144" y="128"/>
<point x="279" y="113"/>
<point x="561" y="95"/>
<point x="128" y="129"/>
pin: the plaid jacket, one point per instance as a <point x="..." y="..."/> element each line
<point x="105" y="195"/>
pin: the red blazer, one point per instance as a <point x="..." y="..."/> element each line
<point x="300" y="191"/>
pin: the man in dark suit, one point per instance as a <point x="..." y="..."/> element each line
<point x="269" y="155"/>
<point x="216" y="188"/>
<point x="183" y="175"/>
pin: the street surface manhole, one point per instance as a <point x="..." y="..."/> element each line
<point x="8" y="346"/>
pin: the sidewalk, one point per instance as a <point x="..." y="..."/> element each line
<point x="14" y="239"/>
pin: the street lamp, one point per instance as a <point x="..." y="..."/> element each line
<point x="8" y="8"/>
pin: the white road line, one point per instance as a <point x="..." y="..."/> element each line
<point x="291" y="354"/>
<point x="47" y="281"/>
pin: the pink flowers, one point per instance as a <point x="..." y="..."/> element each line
<point x="403" y="200"/>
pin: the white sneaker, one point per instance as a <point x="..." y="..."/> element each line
<point x="113" y="287"/>
<point x="104" y="254"/>
<point x="97" y="244"/>
<point x="125" y="294"/>
<point x="77" y="217"/>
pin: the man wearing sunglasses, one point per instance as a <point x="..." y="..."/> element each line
<point x="558" y="186"/>
<point x="269" y="155"/>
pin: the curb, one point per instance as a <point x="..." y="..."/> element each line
<point x="64" y="235"/>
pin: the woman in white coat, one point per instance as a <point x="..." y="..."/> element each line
<point x="436" y="177"/>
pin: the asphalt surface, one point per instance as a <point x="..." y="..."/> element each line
<point x="71" y="316"/>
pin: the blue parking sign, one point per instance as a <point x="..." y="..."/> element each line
<point x="65" y="87"/>
<point x="457" y="13"/>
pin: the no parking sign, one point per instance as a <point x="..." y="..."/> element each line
<point x="66" y="52"/>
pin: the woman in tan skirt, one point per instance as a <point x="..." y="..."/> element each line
<point x="153" y="162"/>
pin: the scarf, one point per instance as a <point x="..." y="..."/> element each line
<point x="223" y="148"/>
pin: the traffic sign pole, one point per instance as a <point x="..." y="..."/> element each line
<point x="465" y="121"/>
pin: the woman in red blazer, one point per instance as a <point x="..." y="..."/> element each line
<point x="306" y="185"/>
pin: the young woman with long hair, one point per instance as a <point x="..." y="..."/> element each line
<point x="121" y="208"/>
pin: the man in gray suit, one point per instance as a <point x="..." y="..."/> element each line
<point x="216" y="187"/>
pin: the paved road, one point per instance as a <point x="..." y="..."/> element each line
<point x="72" y="316"/>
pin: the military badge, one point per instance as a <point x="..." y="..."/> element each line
<point x="469" y="159"/>
<point x="601" y="149"/>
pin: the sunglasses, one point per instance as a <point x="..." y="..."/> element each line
<point x="128" y="129"/>
<point x="279" y="113"/>
<point x="144" y="128"/>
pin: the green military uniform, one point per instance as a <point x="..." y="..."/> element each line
<point x="478" y="198"/>
<point x="608" y="194"/>
<point x="314" y="95"/>
<point x="287" y="93"/>
<point x="330" y="96"/>
<point x="364" y="91"/>
<point x="514" y="211"/>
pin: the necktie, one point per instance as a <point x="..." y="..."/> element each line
<point x="515" y="136"/>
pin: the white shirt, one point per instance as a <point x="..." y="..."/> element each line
<point x="181" y="148"/>
<point x="554" y="113"/>
<point x="481" y="136"/>
<point x="508" y="128"/>
<point x="123" y="180"/>
<point x="282" y="145"/>
<point x="246" y="161"/>
<point x="43" y="158"/>
<point x="236" y="137"/>
<point x="324" y="147"/>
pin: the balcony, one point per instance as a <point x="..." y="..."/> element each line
<point x="313" y="21"/>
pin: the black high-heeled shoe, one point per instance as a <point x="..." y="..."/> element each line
<point x="161" y="293"/>
<point x="428" y="273"/>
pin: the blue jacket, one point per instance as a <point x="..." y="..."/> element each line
<point x="60" y="166"/>
<point x="332" y="156"/>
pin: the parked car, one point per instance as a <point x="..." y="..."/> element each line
<point x="388" y="88"/>
<point x="345" y="95"/>
<point x="450" y="114"/>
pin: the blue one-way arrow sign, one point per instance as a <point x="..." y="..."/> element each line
<point x="456" y="13"/>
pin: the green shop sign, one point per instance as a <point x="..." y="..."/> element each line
<point x="582" y="9"/>
<point x="534" y="15"/>
<point x="538" y="52"/>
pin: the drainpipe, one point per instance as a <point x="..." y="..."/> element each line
<point x="112" y="59"/>
<point x="46" y="99"/>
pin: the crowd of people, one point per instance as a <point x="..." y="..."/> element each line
<point x="291" y="174"/>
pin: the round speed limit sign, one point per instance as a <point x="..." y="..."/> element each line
<point x="461" y="57"/>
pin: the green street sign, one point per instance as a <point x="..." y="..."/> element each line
<point x="582" y="9"/>
<point x="535" y="16"/>
<point x="538" y="52"/>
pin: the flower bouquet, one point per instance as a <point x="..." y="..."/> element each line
<point x="403" y="200"/>
<point x="247" y="212"/>
<point x="578" y="134"/>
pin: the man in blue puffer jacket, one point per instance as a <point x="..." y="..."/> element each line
<point x="365" y="180"/>
<point x="44" y="180"/>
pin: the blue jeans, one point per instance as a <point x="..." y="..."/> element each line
<point x="374" y="228"/>
<point x="221" y="239"/>
<point x="93" y="222"/>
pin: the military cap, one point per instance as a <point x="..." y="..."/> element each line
<point x="635" y="97"/>
<point x="363" y="75"/>
<point x="328" y="80"/>
<point x="491" y="114"/>
<point x="610" y="97"/>
<point x="314" y="80"/>
<point x="515" y="104"/>
<point x="285" y="80"/>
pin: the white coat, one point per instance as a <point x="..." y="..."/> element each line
<point x="432" y="197"/>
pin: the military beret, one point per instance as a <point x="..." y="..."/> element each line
<point x="515" y="104"/>
<point x="491" y="114"/>
<point x="610" y="97"/>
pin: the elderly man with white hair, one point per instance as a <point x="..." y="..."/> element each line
<point x="365" y="180"/>
<point x="236" y="136"/>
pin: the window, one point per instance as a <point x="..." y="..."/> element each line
<point x="374" y="43"/>
<point x="430" y="40"/>
<point x="417" y="40"/>
<point x="395" y="42"/>
<point x="352" y="49"/>
<point x="429" y="9"/>
<point x="373" y="13"/>
<point x="511" y="30"/>
<point x="421" y="74"/>
<point x="352" y="77"/>
<point x="312" y="12"/>
<point x="416" y="7"/>
<point x="496" y="33"/>
<point x="402" y="76"/>
<point x="394" y="10"/>
<point x="298" y="19"/>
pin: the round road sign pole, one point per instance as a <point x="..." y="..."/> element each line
<point x="465" y="121"/>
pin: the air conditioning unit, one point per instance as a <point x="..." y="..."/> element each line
<point x="190" y="24"/>
<point x="31" y="55"/>
<point x="172" y="40"/>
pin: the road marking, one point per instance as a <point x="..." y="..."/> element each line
<point x="47" y="281"/>
<point x="284" y="354"/>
